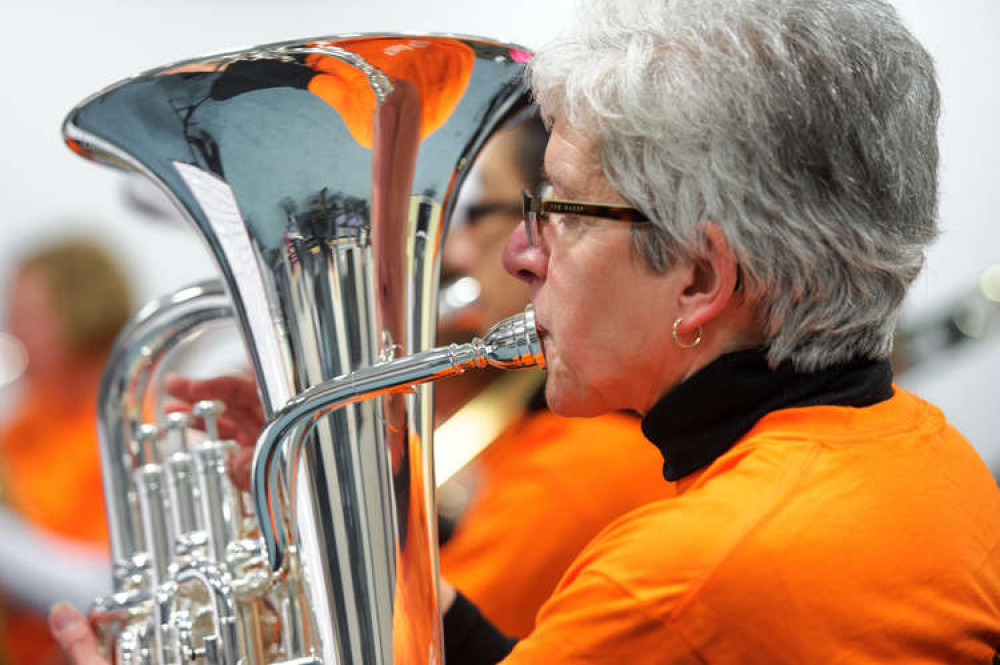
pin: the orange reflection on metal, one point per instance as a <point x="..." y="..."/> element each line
<point x="438" y="70"/>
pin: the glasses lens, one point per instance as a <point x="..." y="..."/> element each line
<point x="528" y="210"/>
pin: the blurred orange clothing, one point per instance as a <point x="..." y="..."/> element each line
<point x="50" y="465"/>
<point x="549" y="485"/>
<point x="50" y="474"/>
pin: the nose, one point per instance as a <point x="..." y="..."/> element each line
<point x="524" y="261"/>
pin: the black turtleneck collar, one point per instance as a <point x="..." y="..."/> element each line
<point x="703" y="417"/>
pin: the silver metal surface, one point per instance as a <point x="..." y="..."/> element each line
<point x="511" y="344"/>
<point x="158" y="329"/>
<point x="181" y="480"/>
<point x="321" y="174"/>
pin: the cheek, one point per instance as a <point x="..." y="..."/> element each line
<point x="459" y="250"/>
<point x="584" y="339"/>
<point x="610" y="325"/>
<point x="37" y="326"/>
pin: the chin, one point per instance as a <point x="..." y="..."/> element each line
<point x="572" y="404"/>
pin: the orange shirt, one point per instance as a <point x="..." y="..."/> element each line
<point x="825" y="535"/>
<point x="50" y="473"/>
<point x="549" y="485"/>
<point x="50" y="465"/>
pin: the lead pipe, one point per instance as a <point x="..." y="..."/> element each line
<point x="511" y="344"/>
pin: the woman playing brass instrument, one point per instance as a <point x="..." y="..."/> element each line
<point x="740" y="194"/>
<point x="66" y="304"/>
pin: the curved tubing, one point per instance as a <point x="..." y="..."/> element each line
<point x="511" y="344"/>
<point x="158" y="328"/>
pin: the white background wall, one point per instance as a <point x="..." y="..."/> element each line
<point x="56" y="52"/>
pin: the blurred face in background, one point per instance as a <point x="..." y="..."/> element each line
<point x="488" y="210"/>
<point x="32" y="317"/>
<point x="66" y="304"/>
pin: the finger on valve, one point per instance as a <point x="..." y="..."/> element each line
<point x="239" y="392"/>
<point x="232" y="427"/>
<point x="241" y="420"/>
<point x="74" y="635"/>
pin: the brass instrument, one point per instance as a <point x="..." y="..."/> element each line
<point x="321" y="175"/>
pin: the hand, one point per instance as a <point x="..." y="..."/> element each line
<point x="242" y="421"/>
<point x="74" y="635"/>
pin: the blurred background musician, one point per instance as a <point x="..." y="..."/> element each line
<point x="66" y="304"/>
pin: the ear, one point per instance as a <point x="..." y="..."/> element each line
<point x="711" y="281"/>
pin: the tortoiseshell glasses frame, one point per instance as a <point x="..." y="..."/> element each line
<point x="536" y="207"/>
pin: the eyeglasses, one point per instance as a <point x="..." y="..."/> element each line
<point x="537" y="208"/>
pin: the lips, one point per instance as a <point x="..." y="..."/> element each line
<point x="543" y="334"/>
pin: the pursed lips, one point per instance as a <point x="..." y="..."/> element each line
<point x="543" y="335"/>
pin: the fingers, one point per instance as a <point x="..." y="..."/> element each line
<point x="243" y="418"/>
<point x="239" y="393"/>
<point x="242" y="429"/>
<point x="245" y="434"/>
<point x="74" y="635"/>
<point x="239" y="466"/>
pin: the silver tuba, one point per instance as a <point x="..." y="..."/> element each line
<point x="321" y="175"/>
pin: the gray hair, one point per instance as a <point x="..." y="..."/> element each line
<point x="805" y="128"/>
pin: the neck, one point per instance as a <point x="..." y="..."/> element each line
<point x="703" y="417"/>
<point x="722" y="341"/>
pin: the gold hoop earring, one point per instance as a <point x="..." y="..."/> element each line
<point x="689" y="345"/>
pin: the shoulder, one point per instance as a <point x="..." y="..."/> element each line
<point x="597" y="619"/>
<point x="662" y="553"/>
<point x="833" y="502"/>
<point x="803" y="520"/>
<point x="616" y="602"/>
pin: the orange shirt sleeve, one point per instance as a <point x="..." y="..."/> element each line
<point x="593" y="620"/>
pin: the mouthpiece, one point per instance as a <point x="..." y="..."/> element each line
<point x="512" y="343"/>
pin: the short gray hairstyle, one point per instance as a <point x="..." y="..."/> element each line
<point x="807" y="129"/>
